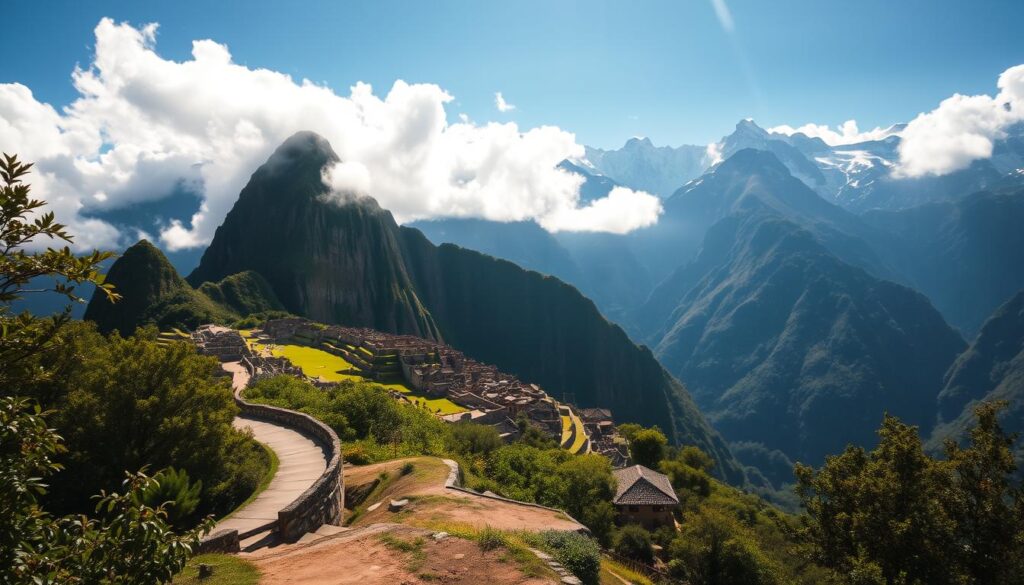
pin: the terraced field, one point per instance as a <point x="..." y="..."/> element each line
<point x="574" y="437"/>
<point x="317" y="363"/>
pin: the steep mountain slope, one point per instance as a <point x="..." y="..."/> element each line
<point x="751" y="174"/>
<point x="153" y="293"/>
<point x="332" y="261"/>
<point x="966" y="255"/>
<point x="991" y="369"/>
<point x="782" y="343"/>
<point x="344" y="260"/>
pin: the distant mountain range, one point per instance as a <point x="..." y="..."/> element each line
<point x="799" y="289"/>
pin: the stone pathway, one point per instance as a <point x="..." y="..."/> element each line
<point x="302" y="462"/>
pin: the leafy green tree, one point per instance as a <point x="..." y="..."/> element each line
<point x="692" y="456"/>
<point x="587" y="488"/>
<point x="126" y="543"/>
<point x="129" y="403"/>
<point x="647" y="447"/>
<point x="987" y="507"/>
<point x="713" y="549"/>
<point x="172" y="489"/>
<point x="632" y="541"/>
<point x="474" y="439"/>
<point x="24" y="272"/>
<point x="687" y="480"/>
<point x="899" y="514"/>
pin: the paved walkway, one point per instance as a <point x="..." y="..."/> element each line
<point x="302" y="462"/>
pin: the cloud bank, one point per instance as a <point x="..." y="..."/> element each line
<point x="962" y="129"/>
<point x="846" y="133"/>
<point x="144" y="126"/>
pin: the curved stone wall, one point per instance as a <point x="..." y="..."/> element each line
<point x="324" y="501"/>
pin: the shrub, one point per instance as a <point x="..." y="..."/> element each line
<point x="172" y="488"/>
<point x="407" y="468"/>
<point x="633" y="542"/>
<point x="575" y="552"/>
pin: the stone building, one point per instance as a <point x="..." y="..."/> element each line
<point x="644" y="497"/>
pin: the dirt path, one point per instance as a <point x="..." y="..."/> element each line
<point x="389" y="554"/>
<point x="302" y="462"/>
<point x="431" y="503"/>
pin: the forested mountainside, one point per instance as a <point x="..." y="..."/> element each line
<point x="992" y="369"/>
<point x="967" y="255"/>
<point x="782" y="343"/>
<point x="346" y="261"/>
<point x="153" y="292"/>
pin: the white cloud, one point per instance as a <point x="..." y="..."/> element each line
<point x="724" y="15"/>
<point x="501" y="104"/>
<point x="621" y="211"/>
<point x="962" y="129"/>
<point x="713" y="154"/>
<point x="846" y="133"/>
<point x="144" y="125"/>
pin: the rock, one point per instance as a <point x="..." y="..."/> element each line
<point x="374" y="507"/>
<point x="571" y="580"/>
<point x="438" y="536"/>
<point x="397" y="505"/>
<point x="205" y="571"/>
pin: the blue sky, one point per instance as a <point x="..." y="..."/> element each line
<point x="604" y="70"/>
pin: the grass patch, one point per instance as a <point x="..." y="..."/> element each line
<point x="316" y="363"/>
<point x="610" y="569"/>
<point x="227" y="570"/>
<point x="273" y="464"/>
<point x="413" y="548"/>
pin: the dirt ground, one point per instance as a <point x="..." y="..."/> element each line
<point x="365" y="557"/>
<point x="431" y="503"/>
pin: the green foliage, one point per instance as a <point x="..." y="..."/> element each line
<point x="714" y="549"/>
<point x="126" y="543"/>
<point x="692" y="456"/>
<point x="687" y="480"/>
<point x="897" y="513"/>
<point x="363" y="412"/>
<point x="127" y="403"/>
<point x="22" y="224"/>
<point x="172" y="488"/>
<point x="472" y="439"/>
<point x="577" y="553"/>
<point x="647" y="447"/>
<point x="632" y="541"/>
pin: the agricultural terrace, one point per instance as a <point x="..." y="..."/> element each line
<point x="574" y="437"/>
<point x="317" y="363"/>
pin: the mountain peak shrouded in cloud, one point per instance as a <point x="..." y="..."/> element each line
<point x="139" y="117"/>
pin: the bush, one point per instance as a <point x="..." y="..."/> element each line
<point x="575" y="552"/>
<point x="633" y="542"/>
<point x="172" y="489"/>
<point x="407" y="468"/>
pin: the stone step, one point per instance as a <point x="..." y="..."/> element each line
<point x="258" y="541"/>
<point x="331" y="530"/>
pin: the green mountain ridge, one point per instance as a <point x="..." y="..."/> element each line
<point x="153" y="293"/>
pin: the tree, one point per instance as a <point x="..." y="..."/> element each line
<point x="474" y="439"/>
<point x="647" y="447"/>
<point x="23" y="272"/>
<point x="714" y="549"/>
<point x="901" y="515"/>
<point x="987" y="508"/>
<point x="128" y="543"/>
<point x="632" y="541"/>
<point x="692" y="456"/>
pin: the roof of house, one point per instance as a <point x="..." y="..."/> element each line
<point x="595" y="414"/>
<point x="639" y="486"/>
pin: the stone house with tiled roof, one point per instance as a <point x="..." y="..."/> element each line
<point x="644" y="497"/>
